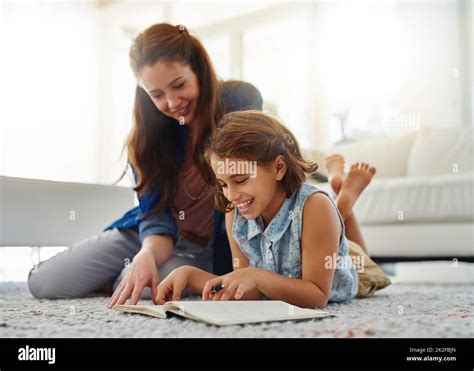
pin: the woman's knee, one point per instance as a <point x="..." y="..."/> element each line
<point x="84" y="267"/>
<point x="48" y="283"/>
<point x="40" y="285"/>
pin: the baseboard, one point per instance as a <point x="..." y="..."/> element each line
<point x="396" y="259"/>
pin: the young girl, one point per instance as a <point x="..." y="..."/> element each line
<point x="288" y="239"/>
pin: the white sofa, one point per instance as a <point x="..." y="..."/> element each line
<point x="50" y="213"/>
<point x="420" y="204"/>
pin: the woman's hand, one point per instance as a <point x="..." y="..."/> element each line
<point x="236" y="284"/>
<point x="155" y="251"/>
<point x="172" y="286"/>
<point x="142" y="273"/>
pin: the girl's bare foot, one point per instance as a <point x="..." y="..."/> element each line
<point x="357" y="179"/>
<point x="335" y="167"/>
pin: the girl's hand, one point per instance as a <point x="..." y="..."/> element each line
<point x="172" y="286"/>
<point x="236" y="284"/>
<point x="142" y="273"/>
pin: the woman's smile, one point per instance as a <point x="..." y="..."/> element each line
<point x="183" y="112"/>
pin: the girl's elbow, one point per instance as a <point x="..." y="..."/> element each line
<point x="325" y="302"/>
<point x="321" y="302"/>
<point x="321" y="299"/>
<point x="314" y="297"/>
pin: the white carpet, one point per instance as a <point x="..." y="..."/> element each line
<point x="401" y="310"/>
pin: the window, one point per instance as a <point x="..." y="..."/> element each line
<point x="219" y="50"/>
<point x="275" y="60"/>
<point x="360" y="62"/>
<point x="48" y="120"/>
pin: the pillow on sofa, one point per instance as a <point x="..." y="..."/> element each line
<point x="442" y="151"/>
<point x="388" y="154"/>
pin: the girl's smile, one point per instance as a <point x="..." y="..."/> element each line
<point x="246" y="206"/>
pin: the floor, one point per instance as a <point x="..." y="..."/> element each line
<point x="424" y="300"/>
<point x="400" y="310"/>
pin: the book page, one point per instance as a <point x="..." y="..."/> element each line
<point x="151" y="310"/>
<point x="239" y="312"/>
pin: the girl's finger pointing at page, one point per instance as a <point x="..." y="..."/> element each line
<point x="177" y="289"/>
<point x="161" y="296"/>
<point x="164" y="291"/>
<point x="154" y="289"/>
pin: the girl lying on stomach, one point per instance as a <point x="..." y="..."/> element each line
<point x="287" y="237"/>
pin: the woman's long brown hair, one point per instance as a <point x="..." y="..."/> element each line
<point x="154" y="139"/>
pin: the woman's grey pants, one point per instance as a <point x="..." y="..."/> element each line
<point x="104" y="259"/>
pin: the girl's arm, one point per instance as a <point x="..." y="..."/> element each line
<point x="197" y="278"/>
<point x="239" y="260"/>
<point x="319" y="242"/>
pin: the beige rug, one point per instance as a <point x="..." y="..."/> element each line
<point x="400" y="310"/>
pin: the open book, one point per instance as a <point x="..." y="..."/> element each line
<point x="234" y="312"/>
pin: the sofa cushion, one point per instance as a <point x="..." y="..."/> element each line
<point x="419" y="240"/>
<point x="388" y="154"/>
<point x="438" y="198"/>
<point x="442" y="151"/>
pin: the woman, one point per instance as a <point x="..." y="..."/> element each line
<point x="178" y="102"/>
